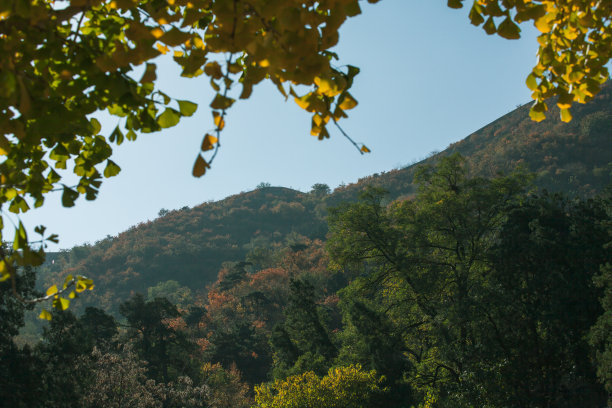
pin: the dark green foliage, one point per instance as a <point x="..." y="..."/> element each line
<point x="156" y="341"/>
<point x="490" y="290"/>
<point x="302" y="343"/>
<point x="601" y="333"/>
<point x="238" y="343"/>
<point x="99" y="328"/>
<point x="19" y="367"/>
<point x="62" y="344"/>
<point x="541" y="302"/>
<point x="371" y="339"/>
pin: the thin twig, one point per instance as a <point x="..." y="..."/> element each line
<point x="346" y="135"/>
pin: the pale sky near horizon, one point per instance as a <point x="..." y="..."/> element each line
<point x="428" y="78"/>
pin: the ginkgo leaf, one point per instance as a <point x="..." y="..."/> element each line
<point x="67" y="281"/>
<point x="219" y="121"/>
<point x="365" y="149"/>
<point x="489" y="26"/>
<point x="149" y="75"/>
<point x="509" y="30"/>
<point x="537" y="116"/>
<point x="200" y="166"/>
<point x="112" y="169"/>
<point x="566" y="115"/>
<point x="44" y="314"/>
<point x="531" y="82"/>
<point x="157" y="32"/>
<point x="162" y="48"/>
<point x="174" y="37"/>
<point x="4" y="271"/>
<point x="168" y="118"/>
<point x="95" y="125"/>
<point x="348" y="102"/>
<point x="52" y="290"/>
<point x="187" y="108"/>
<point x="221" y="102"/>
<point x="213" y="69"/>
<point x="208" y="142"/>
<point x="69" y="196"/>
<point x="60" y="303"/>
<point x="303" y="101"/>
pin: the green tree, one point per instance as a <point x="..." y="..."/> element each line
<point x="164" y="347"/>
<point x="20" y="369"/>
<point x="302" y="342"/>
<point x="601" y="333"/>
<point x="540" y="303"/>
<point x="489" y="289"/>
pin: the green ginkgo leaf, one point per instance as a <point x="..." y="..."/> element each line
<point x="187" y="108"/>
<point x="169" y="118"/>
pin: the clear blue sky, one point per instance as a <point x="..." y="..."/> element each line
<point x="428" y="78"/>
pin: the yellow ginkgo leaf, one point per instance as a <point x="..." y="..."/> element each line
<point x="44" y="314"/>
<point x="364" y="149"/>
<point x="52" y="290"/>
<point x="157" y="32"/>
<point x="536" y="116"/>
<point x="219" y="121"/>
<point x="162" y="48"/>
<point x="566" y="116"/>
<point x="348" y="102"/>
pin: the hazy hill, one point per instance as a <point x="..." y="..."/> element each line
<point x="190" y="245"/>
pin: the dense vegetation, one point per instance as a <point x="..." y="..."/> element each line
<point x="440" y="285"/>
<point x="478" y="291"/>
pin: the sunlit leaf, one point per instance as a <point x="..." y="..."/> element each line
<point x="112" y="169"/>
<point x="168" y="118"/>
<point x="208" y="142"/>
<point x="60" y="303"/>
<point x="566" y="115"/>
<point x="45" y="315"/>
<point x="51" y="291"/>
<point x="219" y="121"/>
<point x="348" y="102"/>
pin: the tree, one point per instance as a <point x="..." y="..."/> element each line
<point x="66" y="61"/>
<point x="302" y="342"/>
<point x="164" y="347"/>
<point x="19" y="367"/>
<point x="488" y="289"/>
<point x="342" y="387"/>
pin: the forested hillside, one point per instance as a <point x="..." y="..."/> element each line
<point x="191" y="244"/>
<point x="474" y="291"/>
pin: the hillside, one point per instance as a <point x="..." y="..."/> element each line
<point x="573" y="157"/>
<point x="191" y="244"/>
